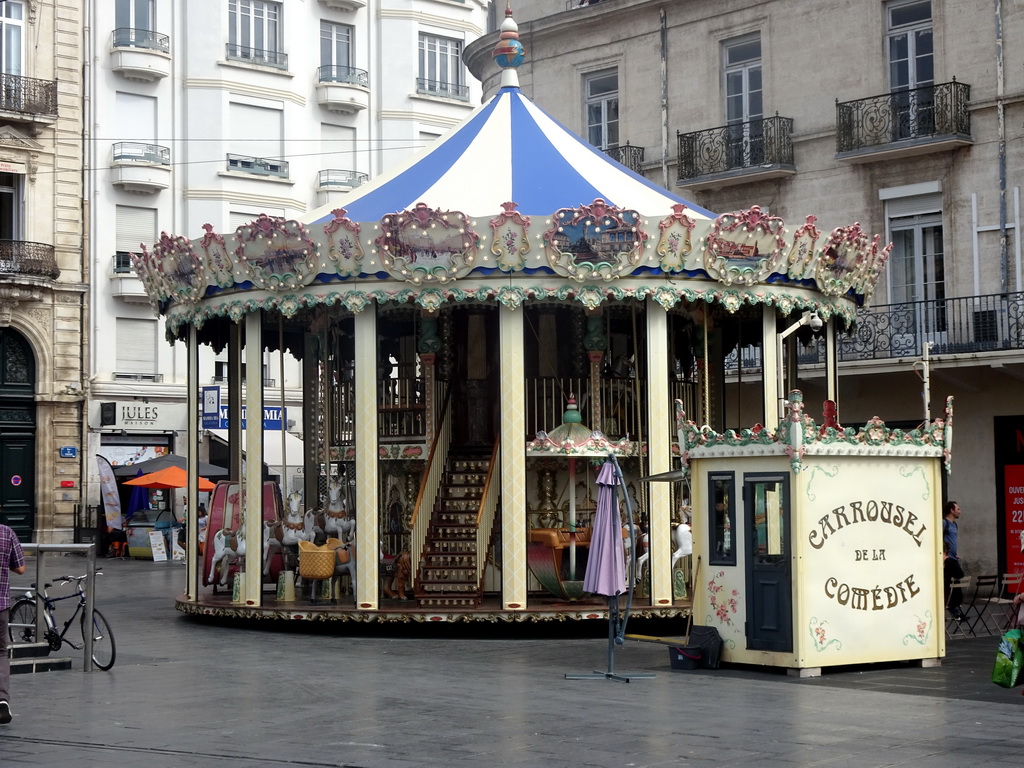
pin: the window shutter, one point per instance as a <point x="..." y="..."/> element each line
<point x="913" y="205"/>
<point x="135" y="226"/>
<point x="136" y="346"/>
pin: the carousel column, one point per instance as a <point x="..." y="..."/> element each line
<point x="192" y="494"/>
<point x="253" y="477"/>
<point x="659" y="446"/>
<point x="513" y="460"/>
<point x="367" y="469"/>
<point x="770" y="363"/>
<point x="314" y="457"/>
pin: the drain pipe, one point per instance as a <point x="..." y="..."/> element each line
<point x="1004" y="264"/>
<point x="664" y="100"/>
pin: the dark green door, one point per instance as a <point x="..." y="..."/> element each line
<point x="17" y="434"/>
<point x="769" y="579"/>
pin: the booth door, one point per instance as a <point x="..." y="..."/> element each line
<point x="769" y="579"/>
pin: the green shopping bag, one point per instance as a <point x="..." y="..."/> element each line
<point x="1009" y="659"/>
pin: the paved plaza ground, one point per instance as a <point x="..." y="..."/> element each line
<point x="187" y="692"/>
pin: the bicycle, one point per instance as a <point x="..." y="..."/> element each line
<point x="22" y="623"/>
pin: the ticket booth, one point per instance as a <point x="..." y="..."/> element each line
<point x="818" y="547"/>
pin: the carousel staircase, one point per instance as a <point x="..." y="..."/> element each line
<point x="447" y="576"/>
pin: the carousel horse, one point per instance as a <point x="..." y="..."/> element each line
<point x="273" y="532"/>
<point x="403" y="570"/>
<point x="296" y="526"/>
<point x="682" y="541"/>
<point x="336" y="519"/>
<point x="228" y="546"/>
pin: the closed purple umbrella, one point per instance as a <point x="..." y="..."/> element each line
<point x="606" y="568"/>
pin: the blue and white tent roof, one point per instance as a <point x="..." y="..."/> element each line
<point x="509" y="150"/>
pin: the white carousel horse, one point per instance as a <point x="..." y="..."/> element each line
<point x="272" y="535"/>
<point x="228" y="546"/>
<point x="682" y="541"/>
<point x="296" y="526"/>
<point x="336" y="519"/>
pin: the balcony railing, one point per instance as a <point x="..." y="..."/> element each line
<point x="908" y="114"/>
<point x="766" y="142"/>
<point x="156" y="378"/>
<point x="631" y="157"/>
<point x="349" y="75"/>
<point x="331" y="178"/>
<point x="276" y="59"/>
<point x="964" y="325"/>
<point x="259" y="166"/>
<point x="126" y="37"/>
<point x="122" y="264"/>
<point x="20" y="257"/>
<point x="139" y="152"/>
<point x="438" y="88"/>
<point x="29" y="95"/>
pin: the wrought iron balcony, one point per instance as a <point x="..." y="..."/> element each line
<point x="964" y="325"/>
<point x="262" y="56"/>
<point x="738" y="151"/>
<point x="28" y="95"/>
<point x="331" y="178"/>
<point x="20" y="257"/>
<point x="631" y="157"/>
<point x="126" y="37"/>
<point x="349" y="75"/>
<point x="260" y="166"/>
<point x="438" y="88"/>
<point x="917" y="116"/>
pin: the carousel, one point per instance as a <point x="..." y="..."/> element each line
<point x="477" y="332"/>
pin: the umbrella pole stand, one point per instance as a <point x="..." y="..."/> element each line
<point x="611" y="674"/>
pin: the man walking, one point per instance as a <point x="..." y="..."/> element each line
<point x="12" y="558"/>
<point x="950" y="532"/>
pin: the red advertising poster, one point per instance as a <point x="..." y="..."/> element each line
<point x="1014" y="490"/>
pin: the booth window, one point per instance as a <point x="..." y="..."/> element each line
<point x="722" y="518"/>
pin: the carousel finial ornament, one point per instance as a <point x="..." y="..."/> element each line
<point x="509" y="53"/>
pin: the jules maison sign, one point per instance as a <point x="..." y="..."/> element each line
<point x="879" y="519"/>
<point x="143" y="416"/>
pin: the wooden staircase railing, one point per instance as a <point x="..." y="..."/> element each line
<point x="487" y="515"/>
<point x="437" y="462"/>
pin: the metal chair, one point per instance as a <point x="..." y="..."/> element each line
<point x="1002" y="603"/>
<point x="958" y="588"/>
<point x="985" y="589"/>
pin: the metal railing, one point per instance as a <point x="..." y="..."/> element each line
<point x="260" y="166"/>
<point x="140" y="152"/>
<point x="430" y="485"/>
<point x="135" y="376"/>
<point x="126" y="37"/>
<point x="622" y="408"/>
<point x="28" y="95"/>
<point x="963" y="325"/>
<point x="236" y="52"/>
<point x="332" y="177"/>
<point x="903" y="115"/>
<point x="21" y="257"/>
<point x="89" y="550"/>
<point x="767" y="141"/>
<point x="348" y="75"/>
<point x="439" y="88"/>
<point x="122" y="264"/>
<point x="629" y="156"/>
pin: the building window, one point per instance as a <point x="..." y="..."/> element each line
<point x="254" y="32"/>
<point x="722" y="514"/>
<point x="335" y="45"/>
<point x="601" y="94"/>
<point x="744" y="103"/>
<point x="440" y="68"/>
<point x="10" y="206"/>
<point x="136" y="348"/>
<point x="133" y="14"/>
<point x="911" y="68"/>
<point x="133" y="227"/>
<point x="917" y="270"/>
<point x="12" y="15"/>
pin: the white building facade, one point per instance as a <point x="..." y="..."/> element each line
<point x="218" y="111"/>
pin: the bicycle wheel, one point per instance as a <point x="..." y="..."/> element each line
<point x="22" y="622"/>
<point x="103" y="649"/>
